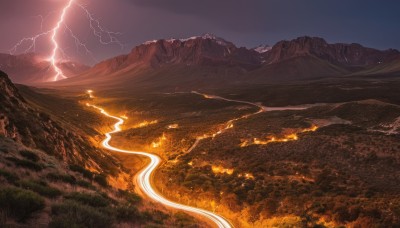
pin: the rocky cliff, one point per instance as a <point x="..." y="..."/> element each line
<point x="22" y="123"/>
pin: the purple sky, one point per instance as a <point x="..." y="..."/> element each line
<point x="244" y="22"/>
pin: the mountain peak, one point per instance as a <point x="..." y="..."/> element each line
<point x="350" y="55"/>
<point x="206" y="36"/>
<point x="262" y="48"/>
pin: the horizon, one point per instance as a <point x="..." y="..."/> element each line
<point x="368" y="23"/>
<point x="178" y="38"/>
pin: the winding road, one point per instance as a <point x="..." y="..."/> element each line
<point x="144" y="177"/>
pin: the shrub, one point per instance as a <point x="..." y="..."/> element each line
<point x="129" y="196"/>
<point x="128" y="213"/>
<point x="93" y="200"/>
<point x="101" y="180"/>
<point x="29" y="155"/>
<point x="40" y="187"/>
<point x="183" y="219"/>
<point x="10" y="177"/>
<point x="20" y="203"/>
<point x="85" y="184"/>
<point x="25" y="164"/>
<point x="86" y="173"/>
<point x="73" y="214"/>
<point x="62" y="177"/>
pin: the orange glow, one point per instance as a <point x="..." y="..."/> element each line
<point x="313" y="128"/>
<point x="173" y="126"/>
<point x="90" y="93"/>
<point x="124" y="117"/>
<point x="248" y="176"/>
<point x="221" y="170"/>
<point x="285" y="138"/>
<point x="144" y="176"/>
<point x="145" y="124"/>
<point x="244" y="143"/>
<point x="160" y="141"/>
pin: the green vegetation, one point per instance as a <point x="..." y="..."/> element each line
<point x="85" y="184"/>
<point x="10" y="177"/>
<point x="62" y="177"/>
<point x="128" y="213"/>
<point x="25" y="164"/>
<point x="20" y="204"/>
<point x="101" y="179"/>
<point x="40" y="187"/>
<point x="183" y="219"/>
<point x="86" y="173"/>
<point x="74" y="214"/>
<point x="131" y="197"/>
<point x="93" y="200"/>
<point x="29" y="155"/>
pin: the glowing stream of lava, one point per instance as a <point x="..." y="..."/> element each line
<point x="144" y="177"/>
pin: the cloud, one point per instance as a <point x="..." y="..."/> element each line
<point x="237" y="15"/>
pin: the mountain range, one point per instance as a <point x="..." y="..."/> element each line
<point x="169" y="62"/>
<point x="31" y="68"/>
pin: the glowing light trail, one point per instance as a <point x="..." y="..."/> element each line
<point x="145" y="176"/>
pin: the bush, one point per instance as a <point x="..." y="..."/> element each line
<point x="93" y="200"/>
<point x="40" y="187"/>
<point x="10" y="177"/>
<point x="20" y="203"/>
<point x="129" y="196"/>
<point x="29" y="155"/>
<point x="85" y="184"/>
<point x="25" y="164"/>
<point x="73" y="214"/>
<point x="62" y="177"/>
<point x="101" y="180"/>
<point x="183" y="220"/>
<point x="86" y="173"/>
<point x="128" y="213"/>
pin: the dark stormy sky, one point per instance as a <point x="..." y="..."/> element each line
<point x="245" y="22"/>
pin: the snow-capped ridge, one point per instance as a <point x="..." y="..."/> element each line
<point x="262" y="48"/>
<point x="205" y="36"/>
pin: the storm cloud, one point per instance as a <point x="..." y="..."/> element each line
<point x="244" y="22"/>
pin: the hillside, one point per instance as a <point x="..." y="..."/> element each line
<point x="384" y="69"/>
<point x="52" y="175"/>
<point x="211" y="62"/>
<point x="23" y="124"/>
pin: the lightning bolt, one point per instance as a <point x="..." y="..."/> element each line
<point x="104" y="36"/>
<point x="59" y="73"/>
<point x="99" y="30"/>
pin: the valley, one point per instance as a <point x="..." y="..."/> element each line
<point x="170" y="137"/>
<point x="336" y="141"/>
